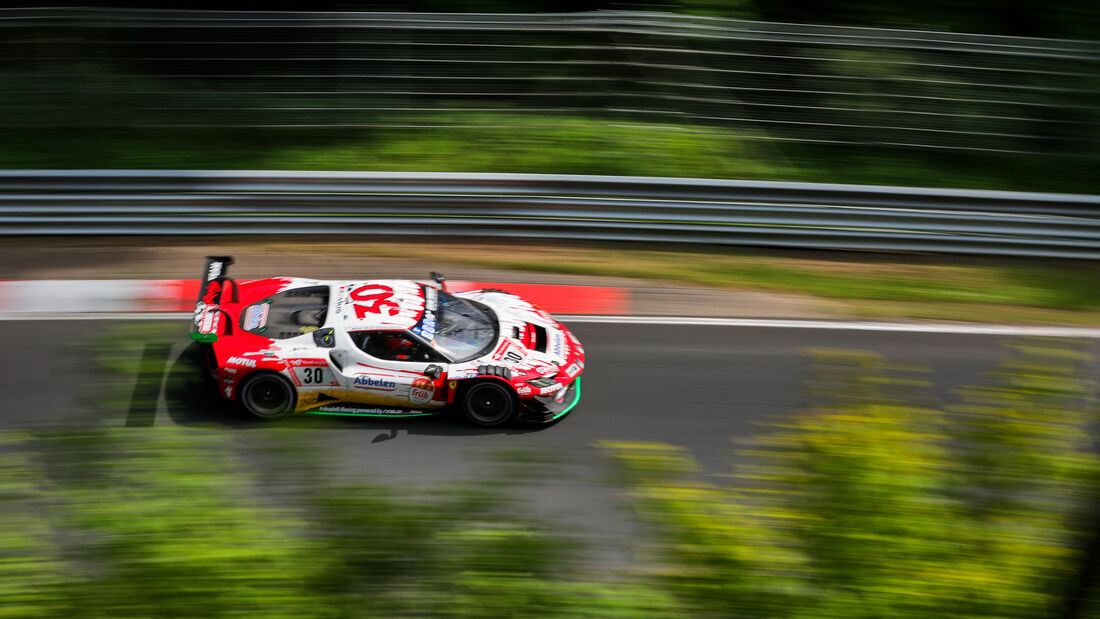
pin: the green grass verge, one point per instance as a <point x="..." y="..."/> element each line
<point x="952" y="288"/>
<point x="530" y="143"/>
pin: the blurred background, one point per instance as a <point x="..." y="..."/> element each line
<point x="905" y="469"/>
<point x="956" y="94"/>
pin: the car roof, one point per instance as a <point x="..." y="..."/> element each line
<point x="376" y="304"/>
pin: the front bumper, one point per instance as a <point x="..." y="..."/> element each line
<point x="544" y="409"/>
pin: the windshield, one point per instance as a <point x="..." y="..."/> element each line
<point x="463" y="329"/>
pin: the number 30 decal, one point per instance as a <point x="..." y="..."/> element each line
<point x="313" y="376"/>
<point x="375" y="300"/>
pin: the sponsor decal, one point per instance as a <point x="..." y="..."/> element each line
<point x="572" y="370"/>
<point x="209" y="322"/>
<point x="421" y="391"/>
<point x="255" y="316"/>
<point x="213" y="292"/>
<point x="200" y="311"/>
<point x="505" y="353"/>
<point x="558" y="345"/>
<point x="339" y="308"/>
<point x="242" y="361"/>
<point x="356" y="410"/>
<point x="312" y="375"/>
<point x="453" y="384"/>
<point x="377" y="383"/>
<point x="470" y="373"/>
<point x="523" y="390"/>
<point x="426" y="327"/>
<point x="214" y="272"/>
<point x="551" y="389"/>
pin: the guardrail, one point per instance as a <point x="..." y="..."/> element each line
<point x="646" y="209"/>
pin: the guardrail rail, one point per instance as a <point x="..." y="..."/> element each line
<point x="547" y="207"/>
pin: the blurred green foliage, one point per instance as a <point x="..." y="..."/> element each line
<point x="876" y="502"/>
<point x="188" y="521"/>
<point x="175" y="522"/>
<point x="1007" y="17"/>
<point x="587" y="100"/>
<point x="544" y="144"/>
<point x="1065" y="286"/>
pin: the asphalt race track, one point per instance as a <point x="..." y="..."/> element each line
<point x="699" y="387"/>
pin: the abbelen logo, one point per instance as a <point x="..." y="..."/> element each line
<point x="371" y="382"/>
<point x="214" y="271"/>
<point x="248" y="363"/>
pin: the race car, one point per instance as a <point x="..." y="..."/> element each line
<point x="383" y="348"/>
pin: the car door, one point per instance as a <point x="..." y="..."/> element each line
<point x="393" y="368"/>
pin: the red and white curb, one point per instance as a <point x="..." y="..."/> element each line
<point x="79" y="296"/>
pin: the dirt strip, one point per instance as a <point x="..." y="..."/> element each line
<point x="153" y="258"/>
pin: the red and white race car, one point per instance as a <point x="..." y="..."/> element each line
<point x="387" y="348"/>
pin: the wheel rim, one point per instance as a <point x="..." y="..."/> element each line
<point x="488" y="404"/>
<point x="267" y="397"/>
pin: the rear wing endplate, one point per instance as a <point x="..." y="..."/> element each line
<point x="209" y="318"/>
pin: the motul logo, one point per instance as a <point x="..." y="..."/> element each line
<point x="242" y="361"/>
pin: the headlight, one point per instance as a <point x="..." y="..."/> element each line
<point x="542" y="382"/>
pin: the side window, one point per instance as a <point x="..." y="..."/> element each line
<point x="393" y="346"/>
<point x="287" y="314"/>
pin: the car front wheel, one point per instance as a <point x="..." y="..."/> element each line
<point x="489" y="403"/>
<point x="267" y="395"/>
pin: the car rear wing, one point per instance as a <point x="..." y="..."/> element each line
<point x="210" y="318"/>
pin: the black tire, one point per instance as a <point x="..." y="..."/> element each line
<point x="489" y="403"/>
<point x="267" y="395"/>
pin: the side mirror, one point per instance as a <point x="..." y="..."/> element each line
<point x="324" y="338"/>
<point x="433" y="371"/>
<point x="439" y="279"/>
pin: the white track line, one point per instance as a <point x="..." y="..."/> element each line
<point x="844" y="325"/>
<point x="756" y="323"/>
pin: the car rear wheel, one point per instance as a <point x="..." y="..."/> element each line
<point x="489" y="403"/>
<point x="267" y="395"/>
